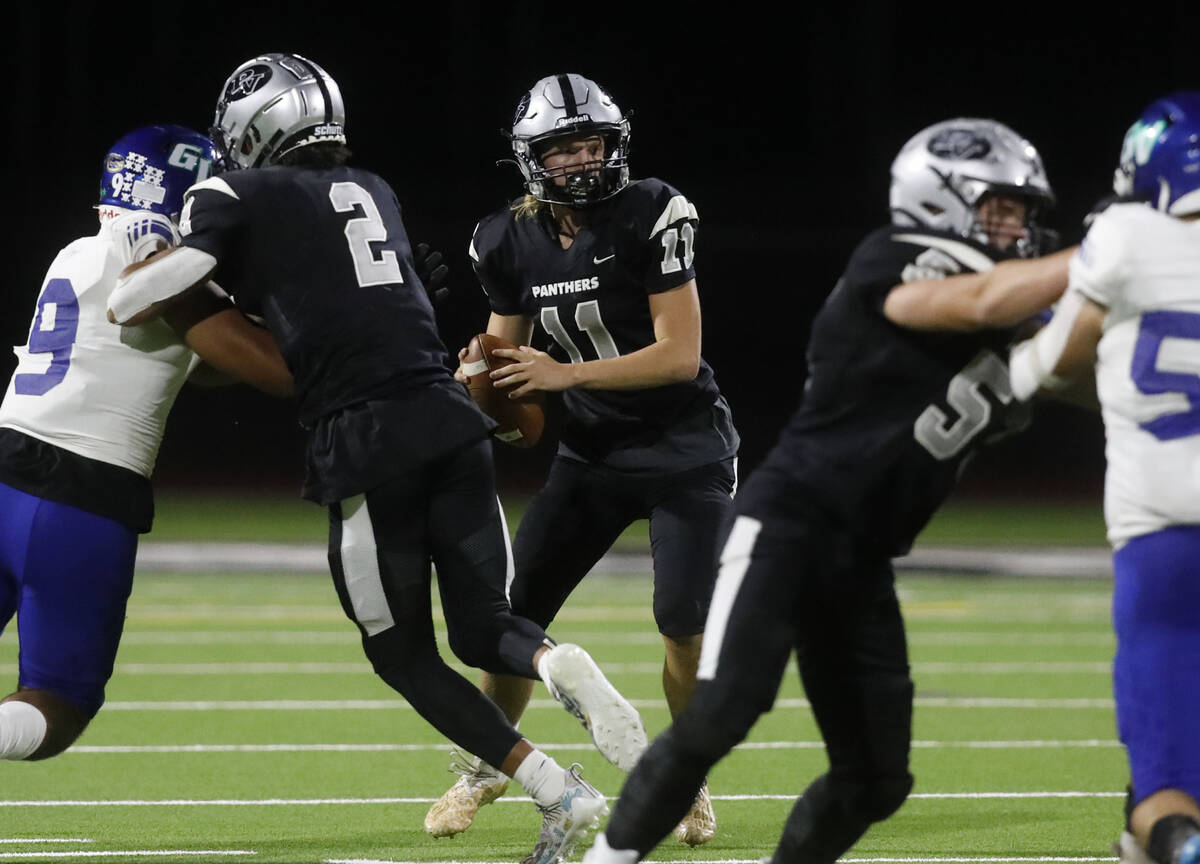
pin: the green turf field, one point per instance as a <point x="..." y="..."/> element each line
<point x="244" y="724"/>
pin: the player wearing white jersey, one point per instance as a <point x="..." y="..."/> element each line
<point x="1133" y="310"/>
<point x="80" y="427"/>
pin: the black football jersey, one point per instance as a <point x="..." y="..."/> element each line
<point x="889" y="415"/>
<point x="323" y="256"/>
<point x="592" y="302"/>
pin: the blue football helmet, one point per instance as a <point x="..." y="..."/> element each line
<point x="151" y="168"/>
<point x="1160" y="158"/>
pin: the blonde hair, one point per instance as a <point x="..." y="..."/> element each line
<point x="527" y="208"/>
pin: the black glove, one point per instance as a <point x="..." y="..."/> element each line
<point x="431" y="271"/>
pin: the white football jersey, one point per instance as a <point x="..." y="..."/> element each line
<point x="1144" y="266"/>
<point x="86" y="385"/>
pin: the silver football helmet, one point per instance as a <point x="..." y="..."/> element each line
<point x="273" y="104"/>
<point x="570" y="106"/>
<point x="945" y="171"/>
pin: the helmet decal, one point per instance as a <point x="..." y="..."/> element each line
<point x="246" y="81"/>
<point x="1160" y="155"/>
<point x="956" y="143"/>
<point x="151" y="168"/>
<point x="522" y="107"/>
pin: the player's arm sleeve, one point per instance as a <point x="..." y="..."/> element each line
<point x="671" y="242"/>
<point x="502" y="291"/>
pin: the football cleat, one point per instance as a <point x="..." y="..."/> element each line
<point x="479" y="785"/>
<point x="564" y="822"/>
<point x="576" y="681"/>
<point x="1129" y="851"/>
<point x="700" y="824"/>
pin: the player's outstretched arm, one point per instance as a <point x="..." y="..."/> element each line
<point x="147" y="288"/>
<point x="1061" y="352"/>
<point x="1004" y="296"/>
<point x="229" y="342"/>
<point x="674" y="356"/>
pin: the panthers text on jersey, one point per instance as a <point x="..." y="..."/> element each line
<point x="324" y="257"/>
<point x="889" y="414"/>
<point x="592" y="301"/>
<point x="1144" y="267"/>
<point x="97" y="391"/>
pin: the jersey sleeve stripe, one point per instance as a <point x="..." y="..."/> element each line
<point x="677" y="208"/>
<point x="213" y="184"/>
<point x="973" y="258"/>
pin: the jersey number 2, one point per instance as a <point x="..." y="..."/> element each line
<point x="1183" y="329"/>
<point x="53" y="332"/>
<point x="361" y="232"/>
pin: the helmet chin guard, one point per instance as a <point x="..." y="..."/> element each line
<point x="945" y="171"/>
<point x="569" y="106"/>
<point x="273" y="104"/>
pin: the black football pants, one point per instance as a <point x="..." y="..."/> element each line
<point x="582" y="509"/>
<point x="380" y="548"/>
<point x="789" y="580"/>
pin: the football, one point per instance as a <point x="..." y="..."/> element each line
<point x="521" y="420"/>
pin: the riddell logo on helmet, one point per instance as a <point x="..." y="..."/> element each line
<point x="573" y="121"/>
<point x="247" y="81"/>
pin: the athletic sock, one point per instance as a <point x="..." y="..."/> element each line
<point x="542" y="777"/>
<point x="22" y="730"/>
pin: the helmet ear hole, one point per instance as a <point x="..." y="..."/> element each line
<point x="932" y="209"/>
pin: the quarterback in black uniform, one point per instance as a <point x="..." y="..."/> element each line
<point x="605" y="266"/>
<point x="907" y="376"/>
<point x="396" y="449"/>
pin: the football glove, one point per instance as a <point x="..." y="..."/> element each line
<point x="140" y="234"/>
<point x="431" y="271"/>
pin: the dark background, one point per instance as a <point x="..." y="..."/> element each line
<point x="779" y="123"/>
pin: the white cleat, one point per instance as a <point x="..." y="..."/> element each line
<point x="479" y="785"/>
<point x="602" y="853"/>
<point x="700" y="824"/>
<point x="576" y="681"/>
<point x="1129" y="851"/>
<point x="564" y="822"/>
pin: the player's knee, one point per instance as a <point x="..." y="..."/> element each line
<point x="707" y="736"/>
<point x="475" y="646"/>
<point x="871" y="798"/>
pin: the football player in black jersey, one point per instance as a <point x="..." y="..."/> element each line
<point x="906" y="379"/>
<point x="605" y="266"/>
<point x="396" y="449"/>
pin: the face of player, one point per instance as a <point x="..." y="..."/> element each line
<point x="573" y="156"/>
<point x="1003" y="220"/>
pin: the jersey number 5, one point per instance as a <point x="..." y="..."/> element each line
<point x="53" y="332"/>
<point x="1182" y="352"/>
<point x="361" y="232"/>
<point x="964" y="396"/>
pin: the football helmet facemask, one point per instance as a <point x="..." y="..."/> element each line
<point x="151" y="168"/>
<point x="273" y="104"/>
<point x="946" y="171"/>
<point x="1160" y="157"/>
<point x="560" y="107"/>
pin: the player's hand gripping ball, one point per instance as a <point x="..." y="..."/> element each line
<point x="521" y="420"/>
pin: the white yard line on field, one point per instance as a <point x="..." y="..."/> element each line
<point x="314" y="802"/>
<point x="30" y="840"/>
<point x="399" y="704"/>
<point x="100" y="749"/>
<point x="129" y="853"/>
<point x="311" y="558"/>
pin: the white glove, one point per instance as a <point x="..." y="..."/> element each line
<point x="139" y="234"/>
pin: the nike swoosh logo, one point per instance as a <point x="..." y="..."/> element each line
<point x="602" y="260"/>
